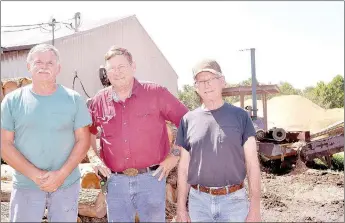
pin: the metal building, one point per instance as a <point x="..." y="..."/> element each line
<point x="84" y="52"/>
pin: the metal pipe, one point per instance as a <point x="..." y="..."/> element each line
<point x="252" y="57"/>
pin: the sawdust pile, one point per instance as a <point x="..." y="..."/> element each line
<point x="296" y="113"/>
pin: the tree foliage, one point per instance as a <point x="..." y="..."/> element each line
<point x="327" y="95"/>
<point x="189" y="97"/>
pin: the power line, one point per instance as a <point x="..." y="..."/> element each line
<point x="39" y="24"/>
<point x="55" y="25"/>
<point x="19" y="30"/>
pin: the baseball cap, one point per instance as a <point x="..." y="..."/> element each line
<point x="207" y="65"/>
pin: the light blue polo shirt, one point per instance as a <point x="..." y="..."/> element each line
<point x="44" y="128"/>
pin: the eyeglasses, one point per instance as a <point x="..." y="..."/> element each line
<point x="120" y="69"/>
<point x="209" y="81"/>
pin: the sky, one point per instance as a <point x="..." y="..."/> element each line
<point x="298" y="42"/>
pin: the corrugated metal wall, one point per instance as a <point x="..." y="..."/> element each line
<point x="84" y="52"/>
<point x="13" y="64"/>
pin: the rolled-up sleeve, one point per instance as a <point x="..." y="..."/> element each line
<point x="82" y="117"/>
<point x="181" y="137"/>
<point x="171" y="108"/>
<point x="248" y="128"/>
<point x="92" y="111"/>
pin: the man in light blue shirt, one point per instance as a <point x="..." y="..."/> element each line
<point x="44" y="136"/>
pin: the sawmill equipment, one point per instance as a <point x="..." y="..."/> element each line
<point x="277" y="144"/>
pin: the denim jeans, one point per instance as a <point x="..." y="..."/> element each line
<point x="205" y="207"/>
<point x="142" y="193"/>
<point x="28" y="205"/>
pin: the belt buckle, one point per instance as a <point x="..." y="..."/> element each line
<point x="132" y="172"/>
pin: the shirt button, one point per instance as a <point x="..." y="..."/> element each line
<point x="125" y="140"/>
<point x="127" y="158"/>
<point x="124" y="123"/>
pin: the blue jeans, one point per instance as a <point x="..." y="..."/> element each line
<point x="142" y="193"/>
<point x="205" y="207"/>
<point x="28" y="205"/>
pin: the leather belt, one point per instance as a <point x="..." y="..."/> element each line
<point x="134" y="172"/>
<point x="219" y="191"/>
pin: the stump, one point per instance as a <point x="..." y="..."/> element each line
<point x="92" y="203"/>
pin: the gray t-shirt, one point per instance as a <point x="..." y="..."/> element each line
<point x="215" y="142"/>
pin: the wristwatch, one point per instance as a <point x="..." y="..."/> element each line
<point x="176" y="152"/>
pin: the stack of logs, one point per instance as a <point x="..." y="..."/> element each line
<point x="11" y="84"/>
<point x="92" y="206"/>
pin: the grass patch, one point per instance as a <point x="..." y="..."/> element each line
<point x="337" y="162"/>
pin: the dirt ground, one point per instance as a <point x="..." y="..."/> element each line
<point x="299" y="196"/>
<point x="310" y="196"/>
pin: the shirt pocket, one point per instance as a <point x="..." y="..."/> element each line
<point x="230" y="134"/>
<point x="147" y="119"/>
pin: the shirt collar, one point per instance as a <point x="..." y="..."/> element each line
<point x="111" y="94"/>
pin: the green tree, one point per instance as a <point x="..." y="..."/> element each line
<point x="335" y="92"/>
<point x="310" y="93"/>
<point x="330" y="95"/>
<point x="287" y="89"/>
<point x="189" y="97"/>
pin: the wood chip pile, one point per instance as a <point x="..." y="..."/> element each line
<point x="296" y="113"/>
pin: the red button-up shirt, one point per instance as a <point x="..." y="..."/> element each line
<point x="134" y="132"/>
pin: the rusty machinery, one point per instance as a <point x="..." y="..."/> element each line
<point x="277" y="144"/>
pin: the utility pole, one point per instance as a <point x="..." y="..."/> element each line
<point x="76" y="23"/>
<point x="254" y="82"/>
<point x="52" y="24"/>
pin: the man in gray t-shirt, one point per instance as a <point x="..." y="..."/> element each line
<point x="219" y="152"/>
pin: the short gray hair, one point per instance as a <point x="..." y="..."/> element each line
<point x="43" y="48"/>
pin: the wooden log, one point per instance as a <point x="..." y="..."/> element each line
<point x="9" y="86"/>
<point x="24" y="81"/>
<point x="92" y="156"/>
<point x="92" y="203"/>
<point x="85" y="168"/>
<point x="6" y="189"/>
<point x="89" y="180"/>
<point x="6" y="172"/>
<point x="171" y="193"/>
<point x="85" y="160"/>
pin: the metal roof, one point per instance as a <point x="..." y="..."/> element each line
<point x="247" y="90"/>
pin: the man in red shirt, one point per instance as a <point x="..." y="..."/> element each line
<point x="134" y="142"/>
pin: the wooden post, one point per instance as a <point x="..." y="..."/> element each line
<point x="242" y="100"/>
